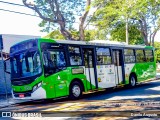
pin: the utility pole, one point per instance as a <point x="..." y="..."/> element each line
<point x="1" y="48"/>
<point x="127" y="35"/>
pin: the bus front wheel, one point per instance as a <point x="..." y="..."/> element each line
<point x="75" y="90"/>
<point x="132" y="81"/>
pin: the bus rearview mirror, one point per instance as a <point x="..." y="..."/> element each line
<point x="6" y="67"/>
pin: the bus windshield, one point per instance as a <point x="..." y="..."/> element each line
<point x="25" y="64"/>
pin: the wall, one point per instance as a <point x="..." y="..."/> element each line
<point x="3" y="84"/>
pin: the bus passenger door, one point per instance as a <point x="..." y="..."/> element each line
<point x="88" y="55"/>
<point x="118" y="65"/>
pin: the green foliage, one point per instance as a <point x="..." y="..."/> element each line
<point x="119" y="33"/>
<point x="89" y="35"/>
<point x="111" y="12"/>
<point x="55" y="35"/>
<point x="157" y="51"/>
<point x="68" y="8"/>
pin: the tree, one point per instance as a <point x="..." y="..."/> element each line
<point x="118" y="33"/>
<point x="89" y="35"/>
<point x="55" y="35"/>
<point x="145" y="13"/>
<point x="157" y="50"/>
<point x="61" y="12"/>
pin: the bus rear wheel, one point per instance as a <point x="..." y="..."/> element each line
<point x="75" y="90"/>
<point x="132" y="81"/>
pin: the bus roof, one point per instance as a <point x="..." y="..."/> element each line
<point x="101" y="43"/>
<point x="93" y="42"/>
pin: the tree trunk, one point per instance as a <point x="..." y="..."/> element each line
<point x="154" y="34"/>
<point x="59" y="17"/>
<point x="82" y="20"/>
<point x="143" y="28"/>
<point x="63" y="30"/>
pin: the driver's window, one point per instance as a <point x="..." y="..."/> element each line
<point x="58" y="59"/>
<point x="54" y="60"/>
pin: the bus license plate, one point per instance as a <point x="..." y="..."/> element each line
<point x="21" y="95"/>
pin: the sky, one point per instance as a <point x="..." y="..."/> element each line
<point x="12" y="23"/>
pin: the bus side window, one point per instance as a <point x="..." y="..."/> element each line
<point x="47" y="59"/>
<point x="129" y="56"/>
<point x="75" y="56"/>
<point x="61" y="60"/>
<point x="149" y="55"/>
<point x="103" y="56"/>
<point x="140" y="56"/>
<point x="48" y="63"/>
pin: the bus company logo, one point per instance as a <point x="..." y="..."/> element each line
<point x="6" y="114"/>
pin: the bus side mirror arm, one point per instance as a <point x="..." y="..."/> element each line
<point x="5" y="67"/>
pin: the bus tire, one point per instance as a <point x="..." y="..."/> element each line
<point x="75" y="90"/>
<point x="132" y="80"/>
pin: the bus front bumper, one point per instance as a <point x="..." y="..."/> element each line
<point x="40" y="93"/>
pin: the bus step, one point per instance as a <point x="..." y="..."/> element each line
<point x="119" y="86"/>
<point x="93" y="91"/>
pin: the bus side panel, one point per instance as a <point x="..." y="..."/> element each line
<point x="49" y="85"/>
<point x="81" y="77"/>
<point x="140" y="70"/>
<point x="128" y="69"/>
<point x="106" y="76"/>
<point x="144" y="71"/>
<point x="151" y="70"/>
<point x="89" y="72"/>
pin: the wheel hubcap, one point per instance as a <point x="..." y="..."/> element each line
<point x="76" y="90"/>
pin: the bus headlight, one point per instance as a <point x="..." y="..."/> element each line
<point x="37" y="86"/>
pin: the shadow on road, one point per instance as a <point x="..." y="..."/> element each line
<point x="145" y="91"/>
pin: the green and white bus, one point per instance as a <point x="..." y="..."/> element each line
<point x="45" y="68"/>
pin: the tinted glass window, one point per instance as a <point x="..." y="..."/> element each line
<point x="149" y="55"/>
<point x="140" y="56"/>
<point x="103" y="56"/>
<point x="54" y="58"/>
<point x="128" y="52"/>
<point x="26" y="64"/>
<point x="75" y="55"/>
<point x="129" y="56"/>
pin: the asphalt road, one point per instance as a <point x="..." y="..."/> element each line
<point x="146" y="91"/>
<point x="120" y="103"/>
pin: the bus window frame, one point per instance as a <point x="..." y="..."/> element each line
<point x="104" y="55"/>
<point x="149" y="55"/>
<point x="144" y="59"/>
<point x="134" y="53"/>
<point x="61" y="48"/>
<point x="68" y="52"/>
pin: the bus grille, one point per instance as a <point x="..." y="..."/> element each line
<point x="21" y="82"/>
<point x="26" y="94"/>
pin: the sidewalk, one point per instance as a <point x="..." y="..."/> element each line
<point x="10" y="101"/>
